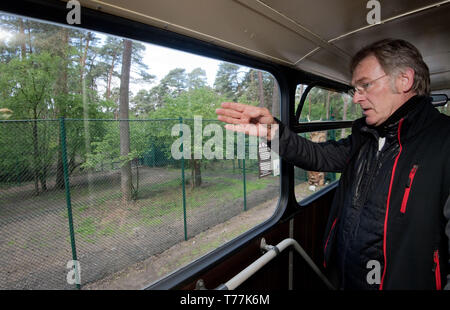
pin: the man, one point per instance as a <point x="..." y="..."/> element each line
<point x="392" y="206"/>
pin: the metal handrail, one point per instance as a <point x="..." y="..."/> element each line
<point x="272" y="252"/>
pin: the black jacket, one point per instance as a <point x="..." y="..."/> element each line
<point x="389" y="205"/>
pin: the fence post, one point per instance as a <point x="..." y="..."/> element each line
<point x="245" y="185"/>
<point x="182" y="180"/>
<point x="67" y="187"/>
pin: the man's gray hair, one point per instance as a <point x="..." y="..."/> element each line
<point x="395" y="55"/>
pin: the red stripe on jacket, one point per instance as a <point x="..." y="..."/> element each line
<point x="388" y="200"/>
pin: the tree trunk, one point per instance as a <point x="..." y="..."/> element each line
<point x="261" y="89"/>
<point x="275" y="100"/>
<point x="61" y="108"/>
<point x="110" y="73"/>
<point x="83" y="92"/>
<point x="124" y="127"/>
<point x="43" y="153"/>
<point x="309" y="110"/>
<point x="347" y="101"/>
<point x="43" y="177"/>
<point x="327" y="106"/>
<point x="23" y="46"/>
<point x="36" y="161"/>
<point x="252" y="83"/>
<point x="299" y="93"/>
<point x="196" y="173"/>
<point x="83" y="61"/>
<point x="29" y="39"/>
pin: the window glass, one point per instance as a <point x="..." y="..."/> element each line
<point x="322" y="105"/>
<point x="325" y="105"/>
<point x="444" y="109"/>
<point x="94" y="188"/>
<point x="309" y="182"/>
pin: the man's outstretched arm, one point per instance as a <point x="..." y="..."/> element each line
<point x="330" y="156"/>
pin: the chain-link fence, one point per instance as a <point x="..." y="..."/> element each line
<point x="69" y="191"/>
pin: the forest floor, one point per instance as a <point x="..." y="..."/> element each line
<point x="125" y="246"/>
<point x="144" y="273"/>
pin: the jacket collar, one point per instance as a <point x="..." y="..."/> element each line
<point x="417" y="114"/>
<point x="391" y="124"/>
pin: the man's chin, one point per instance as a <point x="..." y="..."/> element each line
<point x="371" y="122"/>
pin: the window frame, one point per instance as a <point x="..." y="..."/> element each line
<point x="287" y="78"/>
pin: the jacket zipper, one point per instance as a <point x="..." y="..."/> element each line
<point x="412" y="173"/>
<point x="437" y="270"/>
<point x="387" y="204"/>
<point x="373" y="170"/>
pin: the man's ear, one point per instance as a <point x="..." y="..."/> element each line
<point x="406" y="80"/>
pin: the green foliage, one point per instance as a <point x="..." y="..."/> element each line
<point x="145" y="135"/>
<point x="106" y="150"/>
<point x="227" y="81"/>
<point x="252" y="83"/>
<point x="196" y="79"/>
<point x="48" y="72"/>
<point x="27" y="85"/>
<point x="198" y="101"/>
<point x="316" y="108"/>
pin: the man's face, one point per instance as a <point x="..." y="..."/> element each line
<point x="378" y="100"/>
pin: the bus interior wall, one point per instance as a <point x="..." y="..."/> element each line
<point x="308" y="226"/>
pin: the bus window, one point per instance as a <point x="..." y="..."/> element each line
<point x="326" y="105"/>
<point x="444" y="109"/>
<point x="113" y="159"/>
<point x="322" y="105"/>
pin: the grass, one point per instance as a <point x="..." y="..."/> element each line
<point x="161" y="200"/>
<point x="108" y="230"/>
<point x="155" y="201"/>
<point x="158" y="209"/>
<point x="86" y="230"/>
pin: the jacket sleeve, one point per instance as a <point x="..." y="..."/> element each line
<point x="330" y="156"/>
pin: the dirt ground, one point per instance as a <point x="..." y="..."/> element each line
<point x="35" y="241"/>
<point x="144" y="273"/>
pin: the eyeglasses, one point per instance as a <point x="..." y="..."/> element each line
<point x="362" y="88"/>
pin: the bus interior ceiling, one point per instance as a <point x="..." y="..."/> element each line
<point x="316" y="37"/>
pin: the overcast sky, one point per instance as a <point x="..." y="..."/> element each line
<point x="161" y="60"/>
